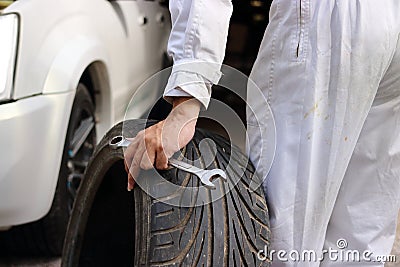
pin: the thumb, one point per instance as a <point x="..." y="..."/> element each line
<point x="131" y="182"/>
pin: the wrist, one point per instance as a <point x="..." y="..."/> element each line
<point x="186" y="107"/>
<point x="177" y="100"/>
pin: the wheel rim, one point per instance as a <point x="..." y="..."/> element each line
<point x="79" y="152"/>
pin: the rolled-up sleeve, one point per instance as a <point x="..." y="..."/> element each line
<point x="197" y="45"/>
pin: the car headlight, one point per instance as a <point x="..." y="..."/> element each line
<point x="8" y="48"/>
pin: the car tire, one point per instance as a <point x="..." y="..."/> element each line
<point x="110" y="226"/>
<point x="46" y="236"/>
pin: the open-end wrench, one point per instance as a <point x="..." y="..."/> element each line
<point x="205" y="176"/>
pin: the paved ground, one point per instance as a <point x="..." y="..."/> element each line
<point x="30" y="263"/>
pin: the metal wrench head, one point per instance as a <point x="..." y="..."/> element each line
<point x="207" y="177"/>
<point x="119" y="141"/>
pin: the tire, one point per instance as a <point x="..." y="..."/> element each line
<point x="112" y="227"/>
<point x="46" y="236"/>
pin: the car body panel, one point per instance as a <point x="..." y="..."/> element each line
<point x="122" y="42"/>
<point x="32" y="138"/>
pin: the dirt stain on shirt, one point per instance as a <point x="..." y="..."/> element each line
<point x="312" y="110"/>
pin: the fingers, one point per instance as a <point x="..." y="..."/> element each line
<point x="133" y="173"/>
<point x="131" y="181"/>
<point x="147" y="160"/>
<point x="129" y="155"/>
<point x="126" y="166"/>
<point x="154" y="154"/>
<point x="132" y="148"/>
<point x="140" y="154"/>
<point x="153" y="146"/>
<point x="161" y="160"/>
<point x="133" y="159"/>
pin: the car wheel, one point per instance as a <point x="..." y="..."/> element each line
<point x="112" y="227"/>
<point x="45" y="237"/>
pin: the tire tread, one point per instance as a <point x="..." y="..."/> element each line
<point x="192" y="230"/>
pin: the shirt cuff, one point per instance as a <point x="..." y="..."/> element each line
<point x="188" y="84"/>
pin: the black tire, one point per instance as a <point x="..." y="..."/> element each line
<point x="112" y="227"/>
<point x="46" y="236"/>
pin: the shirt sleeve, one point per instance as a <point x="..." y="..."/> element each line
<point x="197" y="45"/>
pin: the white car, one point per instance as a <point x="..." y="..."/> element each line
<point x="68" y="69"/>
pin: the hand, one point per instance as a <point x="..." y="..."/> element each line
<point x="156" y="144"/>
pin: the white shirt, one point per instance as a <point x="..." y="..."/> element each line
<point x="197" y="45"/>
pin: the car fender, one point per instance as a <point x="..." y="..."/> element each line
<point x="68" y="66"/>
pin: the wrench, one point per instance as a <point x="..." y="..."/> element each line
<point x="206" y="176"/>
